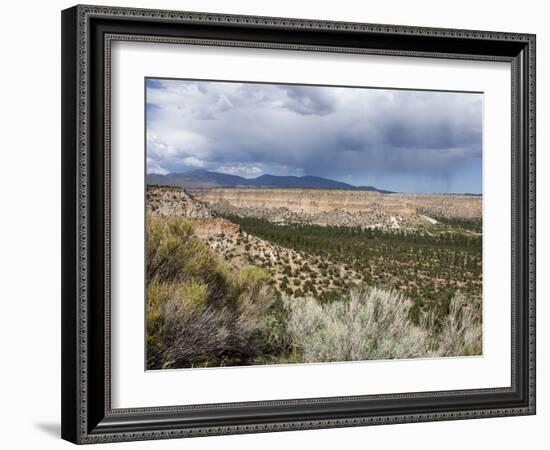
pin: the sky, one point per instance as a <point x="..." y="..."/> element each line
<point x="400" y="140"/>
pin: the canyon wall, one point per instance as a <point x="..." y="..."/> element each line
<point x="319" y="201"/>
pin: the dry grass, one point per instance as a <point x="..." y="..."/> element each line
<point x="460" y="333"/>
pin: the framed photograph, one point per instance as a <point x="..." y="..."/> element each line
<point x="278" y="224"/>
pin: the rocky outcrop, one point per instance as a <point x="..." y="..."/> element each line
<point x="168" y="201"/>
<point x="205" y="228"/>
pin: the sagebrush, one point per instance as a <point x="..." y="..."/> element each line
<point x="372" y="323"/>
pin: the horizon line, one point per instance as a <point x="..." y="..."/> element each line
<point x="302" y="176"/>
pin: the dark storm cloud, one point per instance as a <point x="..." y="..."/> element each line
<point x="350" y="134"/>
<point x="310" y="100"/>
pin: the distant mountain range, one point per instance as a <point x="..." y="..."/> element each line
<point x="201" y="178"/>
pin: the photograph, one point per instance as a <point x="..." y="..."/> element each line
<point x="293" y="223"/>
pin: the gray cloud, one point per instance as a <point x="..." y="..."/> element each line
<point x="310" y="100"/>
<point x="350" y="134"/>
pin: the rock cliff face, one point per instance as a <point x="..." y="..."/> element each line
<point x="339" y="207"/>
<point x="205" y="228"/>
<point x="309" y="206"/>
<point x="308" y="201"/>
<point x="167" y="201"/>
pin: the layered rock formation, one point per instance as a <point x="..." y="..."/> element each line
<point x="338" y="206"/>
<point x="168" y="201"/>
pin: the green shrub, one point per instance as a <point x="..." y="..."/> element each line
<point x="193" y="293"/>
<point x="199" y="311"/>
<point x="166" y="241"/>
<point x="253" y="274"/>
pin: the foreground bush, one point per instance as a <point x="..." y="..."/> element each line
<point x="375" y="324"/>
<point x="370" y="324"/>
<point x="199" y="311"/>
<point x="460" y="332"/>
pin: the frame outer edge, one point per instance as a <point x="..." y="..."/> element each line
<point x="83" y="181"/>
<point x="532" y="143"/>
<point x="69" y="264"/>
<point x="297" y="23"/>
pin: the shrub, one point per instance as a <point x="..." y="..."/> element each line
<point x="371" y="323"/>
<point x="368" y="324"/>
<point x="460" y="332"/>
<point x="193" y="293"/>
<point x="199" y="311"/>
<point x="166" y="240"/>
<point x="180" y="333"/>
<point x="253" y="274"/>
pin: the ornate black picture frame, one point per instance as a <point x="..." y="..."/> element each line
<point x="87" y="34"/>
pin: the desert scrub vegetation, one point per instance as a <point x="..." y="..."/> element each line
<point x="459" y="333"/>
<point x="200" y="312"/>
<point x="372" y="323"/>
<point x="427" y="265"/>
